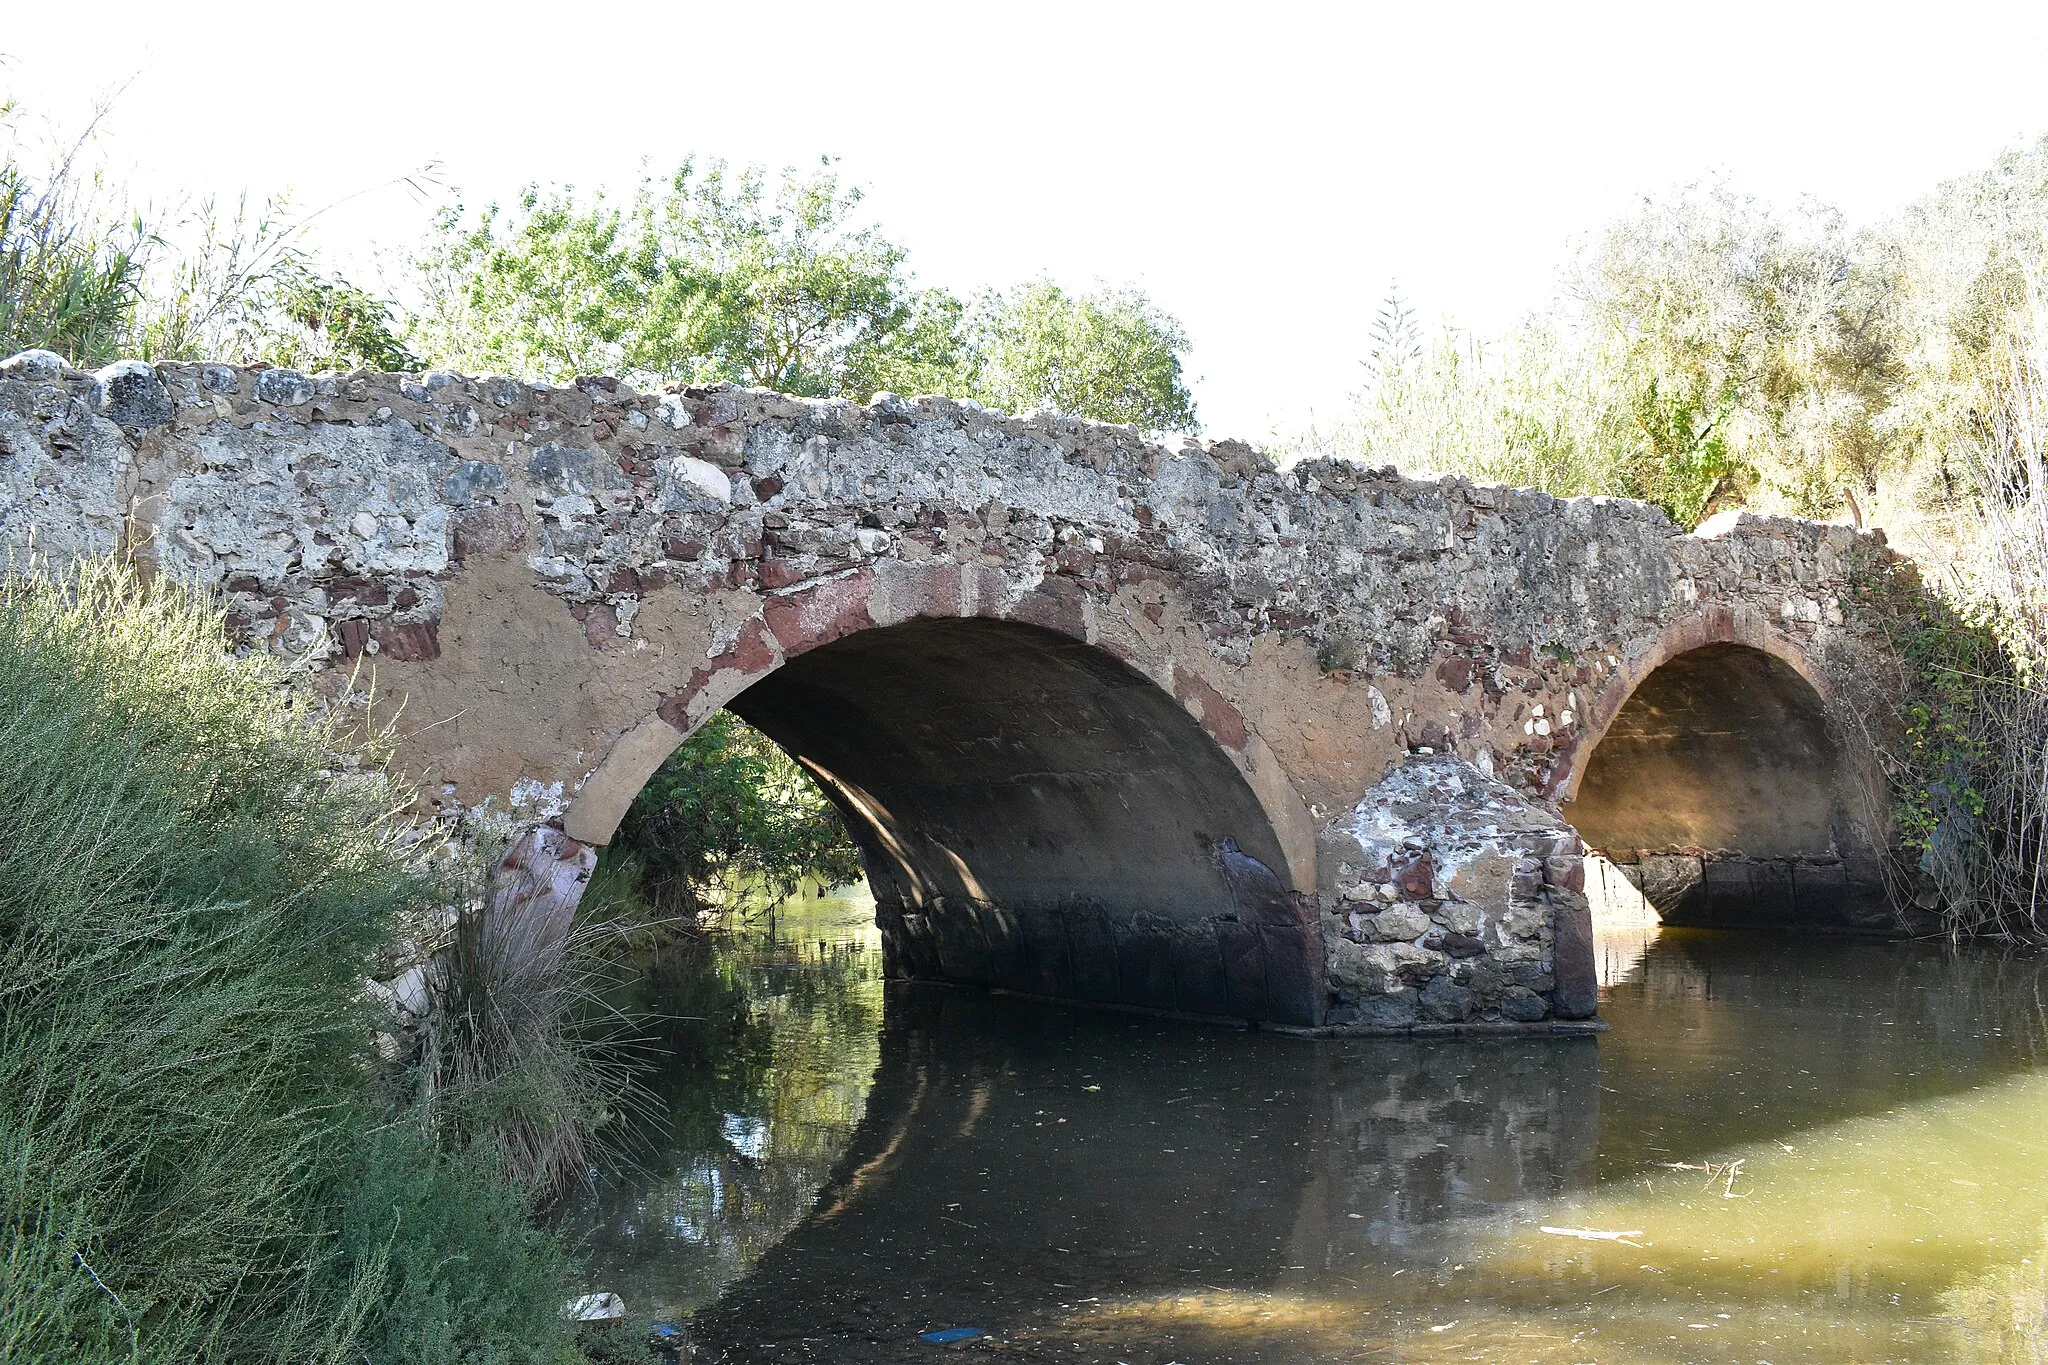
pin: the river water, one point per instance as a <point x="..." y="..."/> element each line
<point x="1787" y="1148"/>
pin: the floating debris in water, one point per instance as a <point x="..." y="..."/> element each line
<point x="1595" y="1234"/>
<point x="606" y="1307"/>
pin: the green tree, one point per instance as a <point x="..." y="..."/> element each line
<point x="1960" y="266"/>
<point x="728" y="814"/>
<point x="1111" y="355"/>
<point x="715" y="274"/>
<point x="1747" y="347"/>
<point x="770" y="286"/>
<point x="1707" y="351"/>
<point x="546" y="291"/>
<point x="708" y="275"/>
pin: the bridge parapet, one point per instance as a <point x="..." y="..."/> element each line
<point x="550" y="587"/>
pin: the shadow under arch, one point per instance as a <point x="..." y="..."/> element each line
<point x="1720" y="789"/>
<point x="1036" y="815"/>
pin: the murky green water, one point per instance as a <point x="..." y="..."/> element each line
<point x="1786" y="1149"/>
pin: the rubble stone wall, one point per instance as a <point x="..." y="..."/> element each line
<point x="545" y="589"/>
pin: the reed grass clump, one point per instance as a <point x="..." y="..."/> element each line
<point x="199" y="1154"/>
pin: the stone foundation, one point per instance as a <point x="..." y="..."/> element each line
<point x="1451" y="899"/>
<point x="1727" y="890"/>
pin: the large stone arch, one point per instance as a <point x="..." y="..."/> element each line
<point x="1034" y="811"/>
<point x="1716" y="777"/>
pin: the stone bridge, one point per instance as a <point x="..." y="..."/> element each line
<point x="1110" y="721"/>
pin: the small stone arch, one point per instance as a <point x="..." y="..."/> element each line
<point x="1036" y="811"/>
<point x="1712" y="773"/>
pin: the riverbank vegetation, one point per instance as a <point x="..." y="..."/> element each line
<point x="729" y="817"/>
<point x="201" y="1154"/>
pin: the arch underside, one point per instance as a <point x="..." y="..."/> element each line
<point x="1037" y="816"/>
<point x="1720" y="791"/>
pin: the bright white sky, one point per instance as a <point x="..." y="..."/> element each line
<point x="1263" y="171"/>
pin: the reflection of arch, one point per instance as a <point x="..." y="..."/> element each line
<point x="1716" y="781"/>
<point x="1033" y="812"/>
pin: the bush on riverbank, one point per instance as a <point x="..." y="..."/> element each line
<point x="199" y="1156"/>
<point x="1966" y="743"/>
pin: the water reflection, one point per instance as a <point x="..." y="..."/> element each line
<point x="765" y="1040"/>
<point x="1787" y="1148"/>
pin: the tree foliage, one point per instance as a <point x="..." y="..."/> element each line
<point x="709" y="275"/>
<point x="715" y="274"/>
<point x="730" y="814"/>
<point x="1706" y="352"/>
<point x="1111" y="355"/>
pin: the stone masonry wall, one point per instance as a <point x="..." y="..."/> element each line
<point x="548" y="587"/>
<point x="1448" y="898"/>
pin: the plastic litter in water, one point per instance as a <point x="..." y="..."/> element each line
<point x="946" y="1336"/>
<point x="606" y="1307"/>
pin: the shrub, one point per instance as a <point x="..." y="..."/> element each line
<point x="1966" y="740"/>
<point x="192" y="898"/>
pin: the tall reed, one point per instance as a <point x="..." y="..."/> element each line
<point x="196" y="1161"/>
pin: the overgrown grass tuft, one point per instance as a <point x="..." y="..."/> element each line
<point x="193" y="1162"/>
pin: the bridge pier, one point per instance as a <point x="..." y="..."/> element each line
<point x="1450" y="898"/>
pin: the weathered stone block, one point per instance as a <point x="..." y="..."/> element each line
<point x="1674" y="884"/>
<point x="1244" y="967"/>
<point x="1370" y="968"/>
<point x="1771" y="895"/>
<point x="129" y="394"/>
<point x="1445" y="1002"/>
<point x="1199" y="983"/>
<point x="960" y="939"/>
<point x="1294" y="973"/>
<point x="1463" y="917"/>
<point x="1577" y="992"/>
<point x="1044" y="958"/>
<point x="1821" y="891"/>
<point x="284" y="388"/>
<point x="1568" y="872"/>
<point x="1144" y="962"/>
<point x="1396" y="1009"/>
<point x="33" y="364"/>
<point x="1487" y="878"/>
<point x="1728" y="895"/>
<point x="1404" y="922"/>
<point x="1091" y="953"/>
